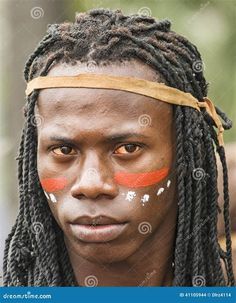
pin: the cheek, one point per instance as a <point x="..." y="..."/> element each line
<point x="144" y="188"/>
<point x="53" y="185"/>
<point x="146" y="210"/>
<point x="149" y="207"/>
<point x="150" y="195"/>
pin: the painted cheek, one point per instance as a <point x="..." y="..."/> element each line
<point x="53" y="184"/>
<point x="137" y="180"/>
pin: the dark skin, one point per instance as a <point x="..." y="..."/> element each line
<point x="87" y="117"/>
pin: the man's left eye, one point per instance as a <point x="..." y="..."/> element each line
<point x="64" y="150"/>
<point x="127" y="149"/>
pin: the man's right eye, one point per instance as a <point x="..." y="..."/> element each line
<point x="64" y="151"/>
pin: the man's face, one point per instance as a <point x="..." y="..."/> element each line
<point x="105" y="161"/>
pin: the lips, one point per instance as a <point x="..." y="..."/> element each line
<point x="97" y="229"/>
<point x="97" y="220"/>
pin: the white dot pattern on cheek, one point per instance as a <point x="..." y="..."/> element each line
<point x="160" y="191"/>
<point x="168" y="183"/>
<point x="145" y="199"/>
<point x="50" y="197"/>
<point x="130" y="196"/>
<point x="53" y="198"/>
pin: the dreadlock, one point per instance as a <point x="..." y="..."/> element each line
<point x="36" y="258"/>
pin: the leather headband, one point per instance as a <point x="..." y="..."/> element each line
<point x="147" y="88"/>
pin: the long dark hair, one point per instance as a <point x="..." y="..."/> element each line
<point x="35" y="253"/>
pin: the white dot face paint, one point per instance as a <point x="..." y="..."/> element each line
<point x="52" y="198"/>
<point x="160" y="190"/>
<point x="168" y="183"/>
<point x="130" y="196"/>
<point x="145" y="199"/>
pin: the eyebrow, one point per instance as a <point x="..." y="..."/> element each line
<point x="108" y="139"/>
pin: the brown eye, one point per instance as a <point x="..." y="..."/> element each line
<point x="64" y="150"/>
<point x="127" y="149"/>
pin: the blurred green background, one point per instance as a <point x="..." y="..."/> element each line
<point x="208" y="24"/>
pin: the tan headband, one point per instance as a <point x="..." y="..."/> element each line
<point x="147" y="88"/>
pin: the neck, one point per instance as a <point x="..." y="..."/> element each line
<point x="150" y="265"/>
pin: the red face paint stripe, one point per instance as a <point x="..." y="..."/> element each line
<point x="53" y="184"/>
<point x="141" y="179"/>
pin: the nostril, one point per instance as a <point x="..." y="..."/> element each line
<point x="80" y="196"/>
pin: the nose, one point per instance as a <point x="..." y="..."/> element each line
<point x="95" y="180"/>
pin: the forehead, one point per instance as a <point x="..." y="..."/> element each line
<point x="101" y="108"/>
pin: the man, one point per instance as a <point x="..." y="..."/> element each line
<point x="118" y="187"/>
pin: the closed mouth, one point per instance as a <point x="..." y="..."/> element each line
<point x="98" y="233"/>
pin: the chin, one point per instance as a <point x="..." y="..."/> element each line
<point x="104" y="253"/>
